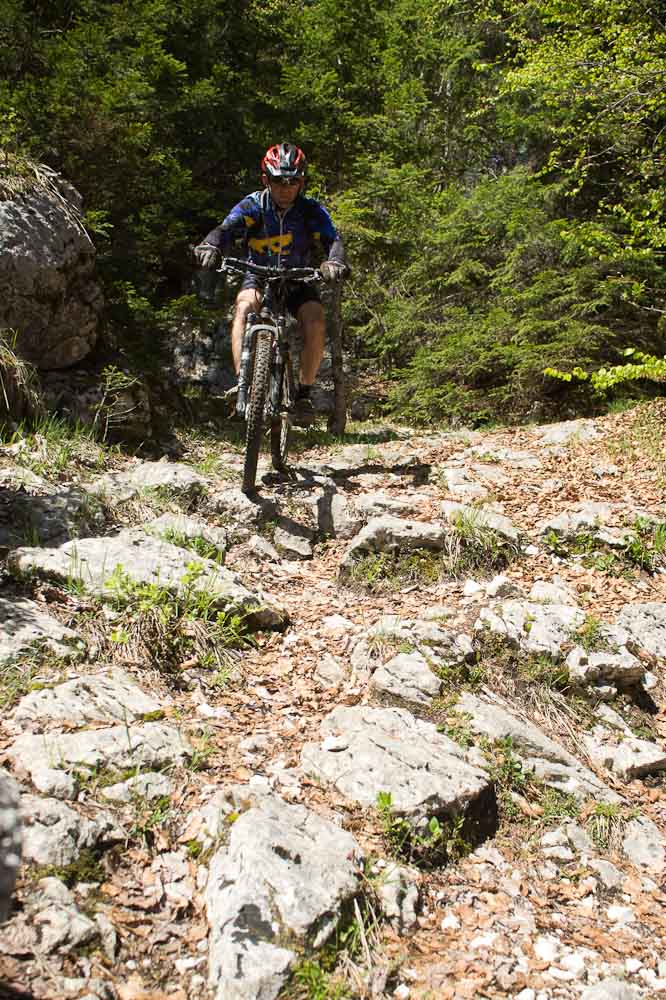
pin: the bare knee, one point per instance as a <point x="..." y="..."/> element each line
<point x="248" y="300"/>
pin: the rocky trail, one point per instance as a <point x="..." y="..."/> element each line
<point x="394" y="728"/>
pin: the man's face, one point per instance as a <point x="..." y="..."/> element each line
<point x="284" y="195"/>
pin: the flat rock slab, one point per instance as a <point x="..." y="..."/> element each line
<point x="644" y="845"/>
<point x="181" y="528"/>
<point x="47" y="759"/>
<point x="176" y="476"/>
<point x="377" y="504"/>
<point x="111" y="697"/>
<point x="394" y="535"/>
<point x="23" y="623"/>
<point x="48" y="520"/>
<point x="569" y="430"/>
<point x="370" y="750"/>
<point x="531" y="627"/>
<point x="101" y="564"/>
<point x="460" y="482"/>
<point x="647" y="625"/>
<point x="585" y="518"/>
<point x="292" y="540"/>
<point x="55" y="834"/>
<point x="243" y="509"/>
<point x="151" y="785"/>
<point x="277" y="886"/>
<point x="604" y="667"/>
<point x="49" y="921"/>
<point x="442" y="648"/>
<point x="629" y="757"/>
<point x="547" y="759"/>
<point x="510" y="457"/>
<point x="408" y="677"/>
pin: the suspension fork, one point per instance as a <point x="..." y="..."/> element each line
<point x="278" y="365"/>
<point x="253" y="327"/>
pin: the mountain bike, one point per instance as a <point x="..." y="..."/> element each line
<point x="266" y="384"/>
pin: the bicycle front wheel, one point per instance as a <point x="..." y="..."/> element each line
<point x="280" y="425"/>
<point x="254" y="411"/>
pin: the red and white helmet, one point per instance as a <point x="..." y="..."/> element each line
<point x="284" y="160"/>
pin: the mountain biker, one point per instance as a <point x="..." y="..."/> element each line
<point x="280" y="225"/>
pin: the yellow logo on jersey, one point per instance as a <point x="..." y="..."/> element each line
<point x="272" y="244"/>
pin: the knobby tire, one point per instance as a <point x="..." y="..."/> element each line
<point x="254" y="412"/>
<point x="280" y="425"/>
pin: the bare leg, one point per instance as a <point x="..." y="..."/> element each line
<point x="312" y="324"/>
<point x="248" y="300"/>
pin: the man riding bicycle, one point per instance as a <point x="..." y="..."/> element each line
<point x="281" y="226"/>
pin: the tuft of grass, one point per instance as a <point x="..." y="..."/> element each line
<point x="153" y="623"/>
<point x="194" y="543"/>
<point x="645" y="549"/>
<point x="149" y="816"/>
<point x="472" y="547"/>
<point x="590" y="635"/>
<point x="20" y="398"/>
<point x="385" y="571"/>
<point x="606" y="823"/>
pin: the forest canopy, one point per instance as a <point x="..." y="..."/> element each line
<point x="495" y="167"/>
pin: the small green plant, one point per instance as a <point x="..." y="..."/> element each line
<point x="173" y="626"/>
<point x="314" y="983"/>
<point x="436" y="842"/>
<point x="203" y="750"/>
<point x="195" y="543"/>
<point x="118" y="400"/>
<point x="457" y="727"/>
<point x="149" y="814"/>
<point x="558" y="806"/>
<point x="541" y="669"/>
<point x="647" y="546"/>
<point x="591" y="635"/>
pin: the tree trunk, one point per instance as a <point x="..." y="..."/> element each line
<point x="338" y="419"/>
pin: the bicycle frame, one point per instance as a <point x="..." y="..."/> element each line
<point x="272" y="318"/>
<point x="265" y="381"/>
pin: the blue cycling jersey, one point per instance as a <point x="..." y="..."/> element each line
<point x="272" y="236"/>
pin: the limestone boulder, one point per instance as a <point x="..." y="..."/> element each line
<point x="49" y="293"/>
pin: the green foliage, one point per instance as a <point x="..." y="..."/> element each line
<point x="427" y="845"/>
<point x="87" y="867"/>
<point x="642" y="366"/>
<point x="496" y="169"/>
<point x="606" y="823"/>
<point x="644" y="547"/>
<point x="173" y="626"/>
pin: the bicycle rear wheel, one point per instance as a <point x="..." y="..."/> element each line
<point x="254" y="411"/>
<point x="280" y="425"/>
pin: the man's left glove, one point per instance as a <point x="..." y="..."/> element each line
<point x="331" y="271"/>
<point x="207" y="256"/>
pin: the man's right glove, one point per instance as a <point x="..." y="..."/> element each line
<point x="207" y="256"/>
<point x="331" y="271"/>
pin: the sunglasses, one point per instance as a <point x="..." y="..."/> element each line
<point x="285" y="181"/>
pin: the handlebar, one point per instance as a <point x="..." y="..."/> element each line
<point x="237" y="266"/>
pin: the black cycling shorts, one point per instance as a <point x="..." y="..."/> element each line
<point x="298" y="294"/>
